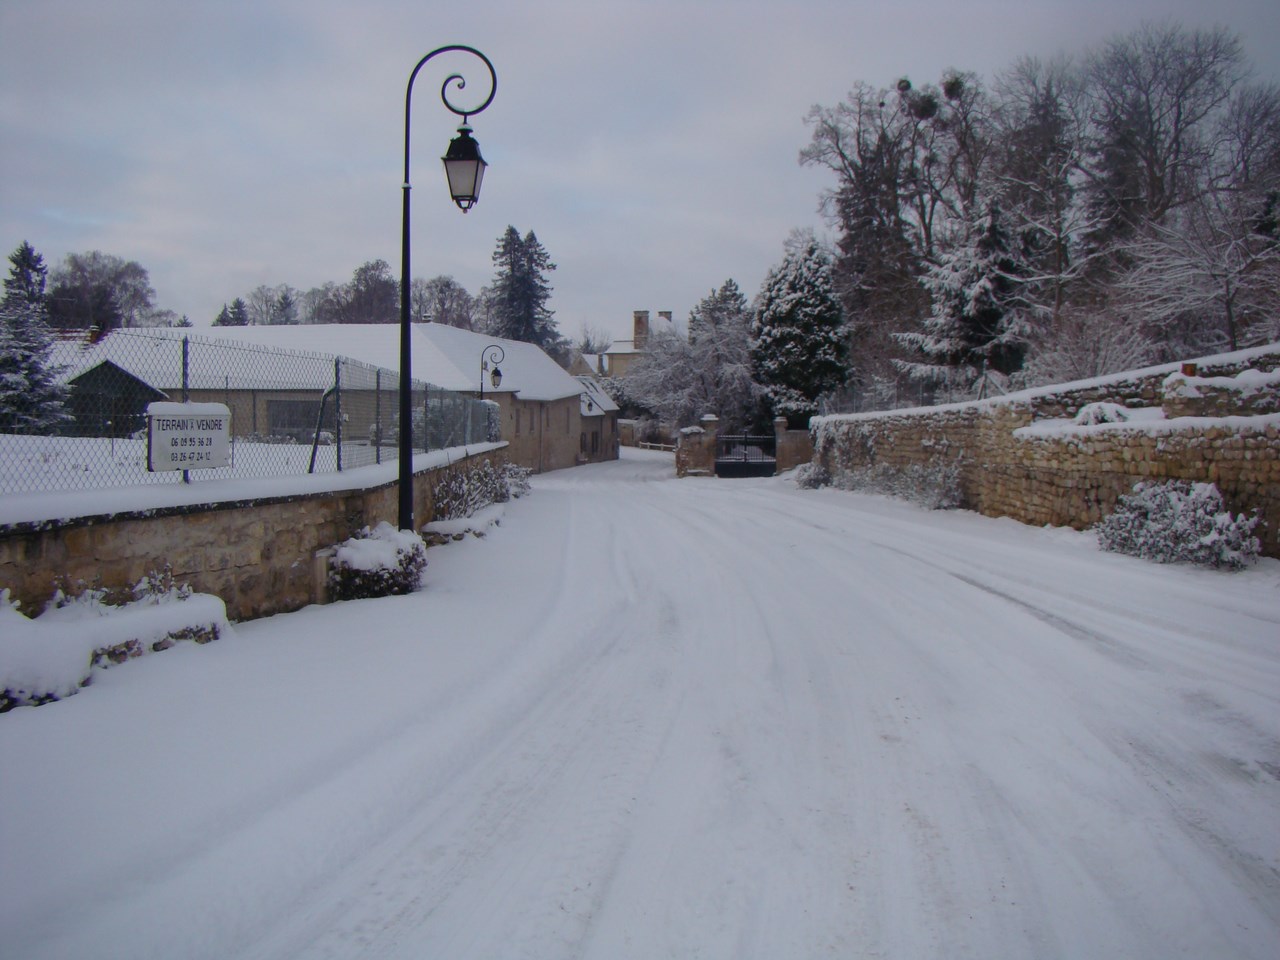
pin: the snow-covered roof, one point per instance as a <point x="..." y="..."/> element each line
<point x="444" y="356"/>
<point x="450" y="357"/>
<point x="595" y="402"/>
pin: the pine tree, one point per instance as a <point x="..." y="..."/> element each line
<point x="520" y="292"/>
<point x="27" y="276"/>
<point x="237" y="315"/>
<point x="975" y="325"/>
<point x="798" y="342"/>
<point x="31" y="399"/>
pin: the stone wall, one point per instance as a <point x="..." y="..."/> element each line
<point x="1022" y="456"/>
<point x="258" y="555"/>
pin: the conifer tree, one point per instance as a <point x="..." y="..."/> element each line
<point x="31" y="399"/>
<point x="27" y="276"/>
<point x="798" y="343"/>
<point x="520" y="292"/>
<point x="237" y="315"/>
<point x="975" y="325"/>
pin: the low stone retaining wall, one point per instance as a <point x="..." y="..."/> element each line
<point x="1019" y="456"/>
<point x="258" y="555"/>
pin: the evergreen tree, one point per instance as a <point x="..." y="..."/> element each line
<point x="237" y="315"/>
<point x="31" y="399"/>
<point x="27" y="276"/>
<point x="798" y="342"/>
<point x="520" y="292"/>
<point x="975" y="325"/>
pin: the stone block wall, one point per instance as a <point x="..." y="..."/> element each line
<point x="257" y="555"/>
<point x="696" y="449"/>
<point x="1018" y="457"/>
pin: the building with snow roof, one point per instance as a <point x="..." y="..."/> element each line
<point x="549" y="418"/>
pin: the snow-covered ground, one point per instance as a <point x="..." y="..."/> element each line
<point x="655" y="718"/>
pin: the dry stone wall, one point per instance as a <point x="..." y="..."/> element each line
<point x="1021" y="456"/>
<point x="258" y="555"/>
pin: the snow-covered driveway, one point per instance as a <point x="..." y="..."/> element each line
<point x="656" y="718"/>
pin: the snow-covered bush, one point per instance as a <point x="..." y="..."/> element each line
<point x="812" y="476"/>
<point x="38" y="666"/>
<point x="517" y="481"/>
<point x="935" y="487"/>
<point x="460" y="493"/>
<point x="84" y="628"/>
<point x="377" y="563"/>
<point x="1092" y="414"/>
<point x="1179" y="522"/>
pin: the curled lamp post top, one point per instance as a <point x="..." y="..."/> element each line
<point x="453" y="80"/>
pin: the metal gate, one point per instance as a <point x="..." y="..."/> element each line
<point x="740" y="455"/>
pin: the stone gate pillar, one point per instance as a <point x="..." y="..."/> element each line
<point x="696" y="449"/>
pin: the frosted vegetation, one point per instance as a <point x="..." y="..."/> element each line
<point x="1180" y="522"/>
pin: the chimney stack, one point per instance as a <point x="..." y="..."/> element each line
<point x="640" y="335"/>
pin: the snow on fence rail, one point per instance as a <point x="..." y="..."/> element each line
<point x="291" y="412"/>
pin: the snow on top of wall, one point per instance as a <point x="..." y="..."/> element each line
<point x="1050" y="390"/>
<point x="1246" y="383"/>
<point x="1144" y="420"/>
<point x="63" y="505"/>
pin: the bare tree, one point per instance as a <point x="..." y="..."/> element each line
<point x="1085" y="342"/>
<point x="1205" y="277"/>
<point x="1156" y="95"/>
<point x="442" y="300"/>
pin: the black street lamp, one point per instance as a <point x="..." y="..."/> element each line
<point x="464" y="168"/>
<point x="492" y="354"/>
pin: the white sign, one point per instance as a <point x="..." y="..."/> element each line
<point x="188" y="436"/>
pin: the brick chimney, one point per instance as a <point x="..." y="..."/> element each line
<point x="640" y="335"/>
<point x="665" y="315"/>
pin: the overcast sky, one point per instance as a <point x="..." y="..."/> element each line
<point x="652" y="146"/>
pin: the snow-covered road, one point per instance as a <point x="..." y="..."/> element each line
<point x="656" y="718"/>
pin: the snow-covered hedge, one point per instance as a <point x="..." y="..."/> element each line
<point x="460" y="493"/>
<point x="1179" y="522"/>
<point x="935" y="486"/>
<point x="377" y="563"/>
<point x="83" y="629"/>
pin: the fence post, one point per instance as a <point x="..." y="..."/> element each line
<point x="377" y="416"/>
<point x="337" y="409"/>
<point x="186" y="386"/>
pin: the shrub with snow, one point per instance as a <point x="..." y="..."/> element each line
<point x="934" y="487"/>
<point x="812" y="476"/>
<point x="1094" y="413"/>
<point x="84" y="628"/>
<point x="460" y="493"/>
<point x="378" y="563"/>
<point x="1179" y="522"/>
<point x="38" y="666"/>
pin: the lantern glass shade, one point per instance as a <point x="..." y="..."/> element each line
<point x="496" y="377"/>
<point x="464" y="167"/>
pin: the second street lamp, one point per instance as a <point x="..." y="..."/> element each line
<point x="464" y="168"/>
<point x="492" y="354"/>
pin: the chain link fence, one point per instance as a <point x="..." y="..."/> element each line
<point x="292" y="412"/>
